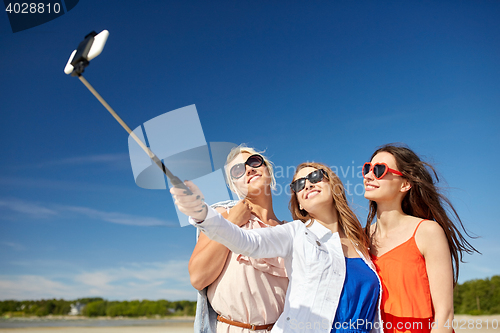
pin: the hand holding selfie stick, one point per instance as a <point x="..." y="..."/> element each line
<point x="88" y="49"/>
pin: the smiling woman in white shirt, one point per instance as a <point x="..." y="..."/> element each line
<point x="333" y="286"/>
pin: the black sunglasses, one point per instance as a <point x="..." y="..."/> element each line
<point x="238" y="170"/>
<point x="314" y="177"/>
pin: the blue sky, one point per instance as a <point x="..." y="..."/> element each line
<point x="325" y="81"/>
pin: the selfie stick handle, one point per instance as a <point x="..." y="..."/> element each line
<point x="173" y="179"/>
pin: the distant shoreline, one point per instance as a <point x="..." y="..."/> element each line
<point x="60" y="322"/>
<point x="68" y="317"/>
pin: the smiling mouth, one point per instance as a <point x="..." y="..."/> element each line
<point x="312" y="194"/>
<point x="370" y="187"/>
<point x="253" y="178"/>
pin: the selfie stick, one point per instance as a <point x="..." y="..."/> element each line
<point x="88" y="49"/>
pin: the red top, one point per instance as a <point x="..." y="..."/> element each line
<point x="405" y="284"/>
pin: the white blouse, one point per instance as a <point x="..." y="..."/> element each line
<point x="314" y="262"/>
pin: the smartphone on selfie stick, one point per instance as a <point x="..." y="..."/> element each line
<point x="88" y="49"/>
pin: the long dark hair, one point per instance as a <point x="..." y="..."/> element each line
<point x="347" y="219"/>
<point x="424" y="200"/>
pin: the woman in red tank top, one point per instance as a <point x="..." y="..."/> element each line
<point x="415" y="246"/>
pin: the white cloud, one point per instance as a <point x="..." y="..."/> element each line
<point x="32" y="287"/>
<point x="14" y="246"/>
<point x="57" y="184"/>
<point x="118" y="218"/>
<point x="140" y="273"/>
<point x="111" y="159"/>
<point x="27" y="208"/>
<point x="157" y="280"/>
<point x="36" y="210"/>
<point x="480" y="266"/>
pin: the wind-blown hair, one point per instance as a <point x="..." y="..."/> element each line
<point x="424" y="200"/>
<point x="348" y="221"/>
<point x="244" y="149"/>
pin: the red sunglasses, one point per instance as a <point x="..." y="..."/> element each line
<point x="379" y="170"/>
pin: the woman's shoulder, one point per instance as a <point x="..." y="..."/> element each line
<point x="428" y="229"/>
<point x="299" y="223"/>
<point x="298" y="226"/>
<point x="429" y="234"/>
<point x="295" y="224"/>
<point x="423" y="226"/>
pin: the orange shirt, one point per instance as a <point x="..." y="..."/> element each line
<point x="406" y="293"/>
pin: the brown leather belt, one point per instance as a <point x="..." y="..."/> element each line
<point x="251" y="327"/>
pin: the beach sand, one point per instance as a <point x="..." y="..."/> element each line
<point x="175" y="325"/>
<point x="463" y="324"/>
<point x="180" y="328"/>
<point x="171" y="328"/>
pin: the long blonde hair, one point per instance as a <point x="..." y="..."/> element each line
<point x="244" y="149"/>
<point x="348" y="221"/>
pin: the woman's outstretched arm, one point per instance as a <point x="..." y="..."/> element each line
<point x="261" y="243"/>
